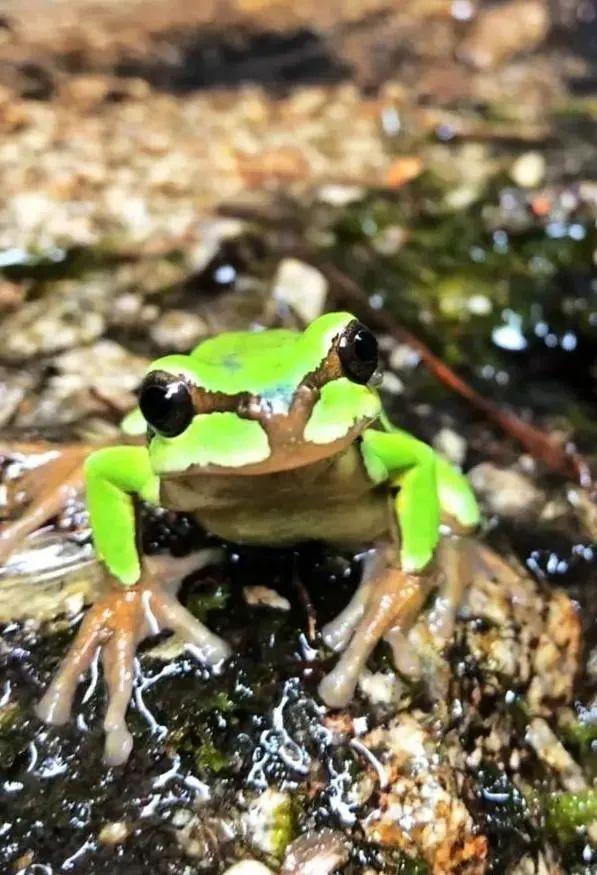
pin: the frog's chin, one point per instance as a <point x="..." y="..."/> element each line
<point x="285" y="457"/>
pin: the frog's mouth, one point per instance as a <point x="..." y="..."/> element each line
<point x="253" y="439"/>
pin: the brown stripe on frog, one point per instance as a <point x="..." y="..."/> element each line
<point x="285" y="430"/>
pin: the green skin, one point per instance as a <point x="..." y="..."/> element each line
<point x="340" y="434"/>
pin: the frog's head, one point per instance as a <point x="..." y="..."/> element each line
<point x="255" y="402"/>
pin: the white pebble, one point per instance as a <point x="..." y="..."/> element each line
<point x="450" y="445"/>
<point x="248" y="867"/>
<point x="301" y="287"/>
<point x="528" y="170"/>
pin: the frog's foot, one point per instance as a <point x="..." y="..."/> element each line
<point x="54" y="478"/>
<point x="115" y="626"/>
<point x="387" y="602"/>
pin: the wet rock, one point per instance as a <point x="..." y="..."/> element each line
<point x="265" y="597"/>
<point x="114" y="833"/>
<point x="316" y="853"/>
<point x="505" y="491"/>
<point x="45" y="326"/>
<point x="502" y="31"/>
<point x="14" y="388"/>
<point x="268" y="823"/>
<point x="50" y="575"/>
<point x="381" y="688"/>
<point x="91" y="379"/>
<point x="433" y="824"/>
<point x="550" y="749"/>
<point x="301" y="287"/>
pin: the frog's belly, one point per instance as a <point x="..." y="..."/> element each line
<point x="332" y="500"/>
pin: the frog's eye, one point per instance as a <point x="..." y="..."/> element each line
<point x="358" y="352"/>
<point x="166" y="403"/>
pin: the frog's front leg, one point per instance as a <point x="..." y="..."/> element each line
<point x="393" y="593"/>
<point x="51" y="484"/>
<point x="138" y="605"/>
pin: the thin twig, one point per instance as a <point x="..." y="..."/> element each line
<point x="556" y="457"/>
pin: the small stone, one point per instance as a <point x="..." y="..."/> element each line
<point x="178" y="330"/>
<point x="479" y="305"/>
<point x="340" y="195"/>
<point x="504" y="491"/>
<point x="114" y="833"/>
<point x="316" y="853"/>
<point x="502" y="31"/>
<point x="248" y="867"/>
<point x="390" y="239"/>
<point x="392" y="383"/>
<point x="268" y="822"/>
<point x="404" y="357"/>
<point x="381" y="688"/>
<point x="528" y="170"/>
<point x="301" y="287"/>
<point x="262" y="596"/>
<point x="450" y="445"/>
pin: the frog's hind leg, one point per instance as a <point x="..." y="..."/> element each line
<point x="50" y="485"/>
<point x="393" y="599"/>
<point x="116" y="625"/>
<point x="386" y="605"/>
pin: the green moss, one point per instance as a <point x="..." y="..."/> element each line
<point x="209" y="758"/>
<point x="202" y="603"/>
<point x="566" y="813"/>
<point x="283" y="827"/>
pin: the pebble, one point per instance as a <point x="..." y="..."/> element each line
<point x="504" y="491"/>
<point x="263" y="596"/>
<point x="502" y="31"/>
<point x="248" y="867"/>
<point x="301" y="287"/>
<point x="528" y="170"/>
<point x="114" y="833"/>
<point x="178" y="330"/>
<point x="392" y="383"/>
<point x="450" y="445"/>
<point x="340" y="195"/>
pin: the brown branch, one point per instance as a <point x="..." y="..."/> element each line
<point x="556" y="457"/>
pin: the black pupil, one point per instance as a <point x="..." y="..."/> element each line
<point x="166" y="405"/>
<point x="157" y="401"/>
<point x="365" y="345"/>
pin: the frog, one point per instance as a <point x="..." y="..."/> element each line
<point x="268" y="437"/>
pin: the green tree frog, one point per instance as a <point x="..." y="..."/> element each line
<point x="270" y="437"/>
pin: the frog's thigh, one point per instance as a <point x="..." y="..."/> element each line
<point x="411" y="465"/>
<point x="49" y="486"/>
<point x="114" y="475"/>
<point x="393" y="599"/>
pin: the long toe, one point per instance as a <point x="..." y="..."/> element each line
<point x="200" y="641"/>
<point x="55" y="705"/>
<point x="118" y="658"/>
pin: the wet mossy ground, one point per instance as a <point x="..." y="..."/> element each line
<point x="500" y="283"/>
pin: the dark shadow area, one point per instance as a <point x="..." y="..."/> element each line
<point x="227" y="60"/>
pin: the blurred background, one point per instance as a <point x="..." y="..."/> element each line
<point x="172" y="169"/>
